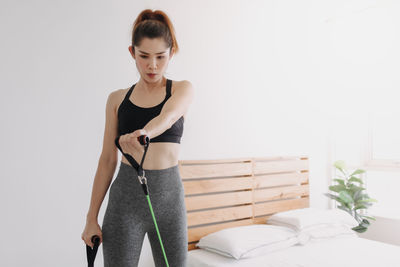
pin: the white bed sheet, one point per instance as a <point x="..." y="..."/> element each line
<point x="341" y="251"/>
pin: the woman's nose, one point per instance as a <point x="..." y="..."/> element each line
<point x="153" y="63"/>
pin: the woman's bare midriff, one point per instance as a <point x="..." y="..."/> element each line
<point x="159" y="155"/>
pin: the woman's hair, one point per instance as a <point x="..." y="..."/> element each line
<point x="153" y="25"/>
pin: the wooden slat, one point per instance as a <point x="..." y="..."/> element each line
<point x="263" y="167"/>
<point x="261" y="219"/>
<point x="280" y="179"/>
<point x="214" y="170"/>
<point x="216" y="185"/>
<point x="213" y="161"/>
<point x="288" y="157"/>
<point x="218" y="200"/>
<point x="218" y="215"/>
<point x="192" y="246"/>
<point x="281" y="205"/>
<point x="198" y="232"/>
<point x="281" y="192"/>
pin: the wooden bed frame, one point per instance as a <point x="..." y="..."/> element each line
<point x="226" y="193"/>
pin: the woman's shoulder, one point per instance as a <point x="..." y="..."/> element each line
<point x="116" y="96"/>
<point x="180" y="84"/>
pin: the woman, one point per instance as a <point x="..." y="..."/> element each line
<point x="154" y="106"/>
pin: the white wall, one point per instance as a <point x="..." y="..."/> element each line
<point x="271" y="78"/>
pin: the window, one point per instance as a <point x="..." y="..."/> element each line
<point x="383" y="141"/>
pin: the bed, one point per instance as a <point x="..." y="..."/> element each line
<point x="227" y="194"/>
<point x="339" y="251"/>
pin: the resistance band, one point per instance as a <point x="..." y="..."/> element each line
<point x="143" y="140"/>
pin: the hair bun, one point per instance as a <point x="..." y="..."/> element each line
<point x="150" y="15"/>
<point x="144" y="26"/>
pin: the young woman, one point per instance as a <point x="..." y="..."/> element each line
<point x="154" y="106"/>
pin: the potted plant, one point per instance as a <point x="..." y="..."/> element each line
<point x="350" y="195"/>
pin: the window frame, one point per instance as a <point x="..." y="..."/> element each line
<point x="372" y="163"/>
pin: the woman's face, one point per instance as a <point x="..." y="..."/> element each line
<point x="152" y="56"/>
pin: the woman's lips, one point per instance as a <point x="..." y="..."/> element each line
<point x="151" y="75"/>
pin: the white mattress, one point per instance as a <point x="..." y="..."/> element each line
<point x="341" y="251"/>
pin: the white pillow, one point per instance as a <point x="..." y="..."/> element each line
<point x="248" y="241"/>
<point x="299" y="219"/>
<point x="323" y="232"/>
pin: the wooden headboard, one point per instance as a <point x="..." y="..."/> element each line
<point x="227" y="193"/>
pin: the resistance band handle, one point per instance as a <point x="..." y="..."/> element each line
<point x="91" y="253"/>
<point x="143" y="140"/>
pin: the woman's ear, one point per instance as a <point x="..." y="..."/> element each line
<point x="132" y="51"/>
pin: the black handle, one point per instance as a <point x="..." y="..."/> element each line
<point x="143" y="140"/>
<point x="91" y="253"/>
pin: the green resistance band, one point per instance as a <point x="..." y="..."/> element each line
<point x="158" y="233"/>
<point x="144" y="140"/>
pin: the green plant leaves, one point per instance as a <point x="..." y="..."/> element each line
<point x="345" y="209"/>
<point x="337" y="188"/>
<point x="353" y="188"/>
<point x="358" y="171"/>
<point x="368" y="200"/>
<point x="349" y="194"/>
<point x="365" y="223"/>
<point x="355" y="179"/>
<point x="360" y="206"/>
<point x="360" y="229"/>
<point x="341" y="165"/>
<point x="368" y="217"/>
<point x="346" y="197"/>
<point x="340" y="181"/>
<point x="357" y="195"/>
<point x="332" y="196"/>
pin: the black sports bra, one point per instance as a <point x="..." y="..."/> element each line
<point x="132" y="117"/>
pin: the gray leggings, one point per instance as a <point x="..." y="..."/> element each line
<point x="128" y="217"/>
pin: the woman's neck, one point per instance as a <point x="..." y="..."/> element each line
<point x="151" y="87"/>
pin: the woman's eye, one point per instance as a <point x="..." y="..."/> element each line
<point x="158" y="57"/>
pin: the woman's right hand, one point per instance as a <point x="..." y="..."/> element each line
<point x="129" y="142"/>
<point x="92" y="228"/>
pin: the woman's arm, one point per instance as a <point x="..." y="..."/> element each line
<point x="102" y="180"/>
<point x="108" y="159"/>
<point x="175" y="107"/>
